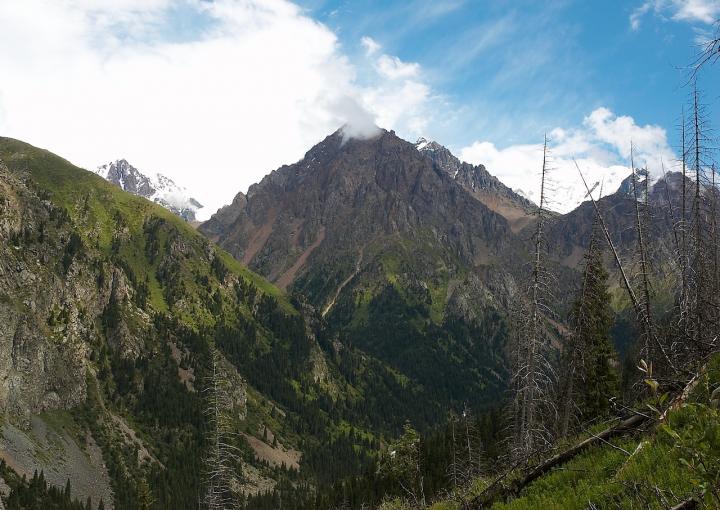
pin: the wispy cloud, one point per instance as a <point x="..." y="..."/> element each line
<point x="692" y="11"/>
<point x="481" y="39"/>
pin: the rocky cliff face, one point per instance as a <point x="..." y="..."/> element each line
<point x="46" y="319"/>
<point x="364" y="227"/>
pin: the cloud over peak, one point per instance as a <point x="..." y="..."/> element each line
<point x="245" y="88"/>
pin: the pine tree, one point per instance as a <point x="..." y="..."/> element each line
<point x="597" y="378"/>
<point x="588" y="354"/>
<point x="144" y="495"/>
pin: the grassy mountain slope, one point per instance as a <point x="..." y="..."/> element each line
<point x="111" y="306"/>
<point x="657" y="467"/>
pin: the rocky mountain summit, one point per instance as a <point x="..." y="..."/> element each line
<point x="346" y="194"/>
<point x="159" y="188"/>
<point x="381" y="236"/>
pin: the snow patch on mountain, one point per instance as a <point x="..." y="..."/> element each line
<point x="157" y="188"/>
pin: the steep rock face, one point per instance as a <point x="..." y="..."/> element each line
<point x="46" y="321"/>
<point x="123" y="174"/>
<point x="346" y="194"/>
<point x="389" y="244"/>
<point x="160" y="189"/>
<point x="480" y="183"/>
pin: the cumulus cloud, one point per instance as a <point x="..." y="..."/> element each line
<point x="399" y="96"/>
<point x="251" y="85"/>
<point x="601" y="147"/>
<point x="692" y="11"/>
<point x="394" y="68"/>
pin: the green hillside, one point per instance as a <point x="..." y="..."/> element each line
<point x="672" y="460"/>
<point x="132" y="302"/>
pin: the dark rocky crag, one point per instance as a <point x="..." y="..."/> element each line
<point x="363" y="226"/>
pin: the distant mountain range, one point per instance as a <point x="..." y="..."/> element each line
<point x="159" y="188"/>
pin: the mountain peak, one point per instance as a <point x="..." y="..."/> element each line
<point x="423" y="145"/>
<point x="158" y="188"/>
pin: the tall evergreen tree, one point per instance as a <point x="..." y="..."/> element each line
<point x="593" y="378"/>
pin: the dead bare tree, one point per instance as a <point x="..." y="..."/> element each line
<point x="532" y="371"/>
<point x="467" y="454"/>
<point x="708" y="54"/>
<point x="643" y="273"/>
<point x="702" y="303"/>
<point x="222" y="460"/>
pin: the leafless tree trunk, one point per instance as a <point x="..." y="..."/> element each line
<point x="222" y="459"/>
<point x="647" y="322"/>
<point x="532" y="371"/>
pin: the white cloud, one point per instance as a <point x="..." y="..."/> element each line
<point x="704" y="11"/>
<point x="394" y="68"/>
<point x="359" y="122"/>
<point x="371" y="46"/>
<point x="398" y="96"/>
<point x="214" y="106"/>
<point x="601" y="147"/>
<point x="692" y="11"/>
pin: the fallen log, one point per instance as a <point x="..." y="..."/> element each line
<point x="688" y="504"/>
<point x="497" y="491"/>
<point x="488" y="497"/>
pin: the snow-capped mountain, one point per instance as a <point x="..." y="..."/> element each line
<point x="158" y="188"/>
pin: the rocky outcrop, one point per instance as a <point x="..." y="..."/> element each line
<point x="46" y="322"/>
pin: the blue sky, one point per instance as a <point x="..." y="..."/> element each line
<point x="511" y="70"/>
<point x="217" y="93"/>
